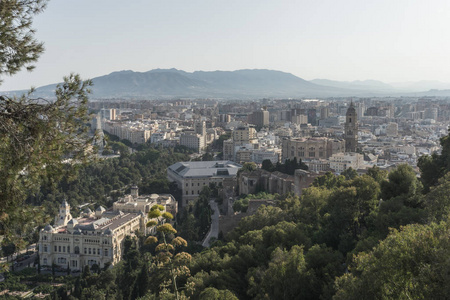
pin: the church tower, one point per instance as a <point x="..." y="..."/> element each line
<point x="351" y="129"/>
<point x="64" y="215"/>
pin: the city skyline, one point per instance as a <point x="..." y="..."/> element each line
<point x="345" y="41"/>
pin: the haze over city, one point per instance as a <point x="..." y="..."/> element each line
<point x="346" y="40"/>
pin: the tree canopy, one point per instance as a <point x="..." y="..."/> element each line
<point x="40" y="140"/>
<point x="18" y="47"/>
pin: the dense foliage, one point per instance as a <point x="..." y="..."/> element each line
<point x="40" y="140"/>
<point x="288" y="167"/>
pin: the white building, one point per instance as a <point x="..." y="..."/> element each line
<point x="142" y="203"/>
<point x="157" y="137"/>
<point x="339" y="162"/>
<point x="97" y="237"/>
<point x="274" y="155"/>
<point x="88" y="240"/>
<point x="193" y="141"/>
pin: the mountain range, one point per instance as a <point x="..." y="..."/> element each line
<point x="240" y="84"/>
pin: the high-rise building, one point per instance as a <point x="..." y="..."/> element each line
<point x="324" y="113"/>
<point x="259" y="118"/>
<point x="200" y="127"/>
<point x="351" y="129"/>
<point x="431" y="113"/>
<point x="244" y="135"/>
<point x="193" y="140"/>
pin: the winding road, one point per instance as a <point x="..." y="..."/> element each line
<point x="214" y="230"/>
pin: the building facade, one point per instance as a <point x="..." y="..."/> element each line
<point x="341" y="161"/>
<point x="193" y="141"/>
<point x="311" y="148"/>
<point x="259" y="118"/>
<point x="192" y="176"/>
<point x="97" y="237"/>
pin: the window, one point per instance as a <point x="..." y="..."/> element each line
<point x="198" y="183"/>
<point x="59" y="248"/>
<point x="187" y="184"/>
<point x="61" y="260"/>
<point x="187" y="192"/>
<point x="45" y="248"/>
<point x="74" y="263"/>
<point x="90" y="251"/>
<point x="56" y="248"/>
<point x="85" y="250"/>
<point x="44" y="261"/>
<point x="312" y="154"/>
<point x="106" y="252"/>
<point x="77" y="250"/>
<point x="64" y="249"/>
<point x="68" y="249"/>
<point x="192" y="192"/>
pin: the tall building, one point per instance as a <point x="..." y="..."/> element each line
<point x="200" y="127"/>
<point x="193" y="141"/>
<point x="108" y="114"/>
<point x="324" y="113"/>
<point x="351" y="129"/>
<point x="259" y="118"/>
<point x="431" y="113"/>
<point x="244" y="135"/>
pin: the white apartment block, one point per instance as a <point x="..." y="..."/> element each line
<point x="341" y="161"/>
<point x="244" y="134"/>
<point x="135" y="132"/>
<point x="193" y="141"/>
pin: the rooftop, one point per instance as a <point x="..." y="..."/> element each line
<point x="205" y="168"/>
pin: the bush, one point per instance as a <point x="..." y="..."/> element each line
<point x="44" y="289"/>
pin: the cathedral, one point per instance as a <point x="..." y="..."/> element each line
<point x="351" y="129"/>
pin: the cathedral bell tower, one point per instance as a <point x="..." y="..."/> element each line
<point x="351" y="129"/>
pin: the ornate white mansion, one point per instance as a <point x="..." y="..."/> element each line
<point x="96" y="237"/>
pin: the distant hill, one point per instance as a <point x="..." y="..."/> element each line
<point x="356" y="85"/>
<point x="173" y="83"/>
<point x="240" y="84"/>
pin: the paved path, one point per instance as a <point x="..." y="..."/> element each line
<point x="31" y="247"/>
<point x="214" y="230"/>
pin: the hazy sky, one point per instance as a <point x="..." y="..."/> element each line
<point x="388" y="40"/>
